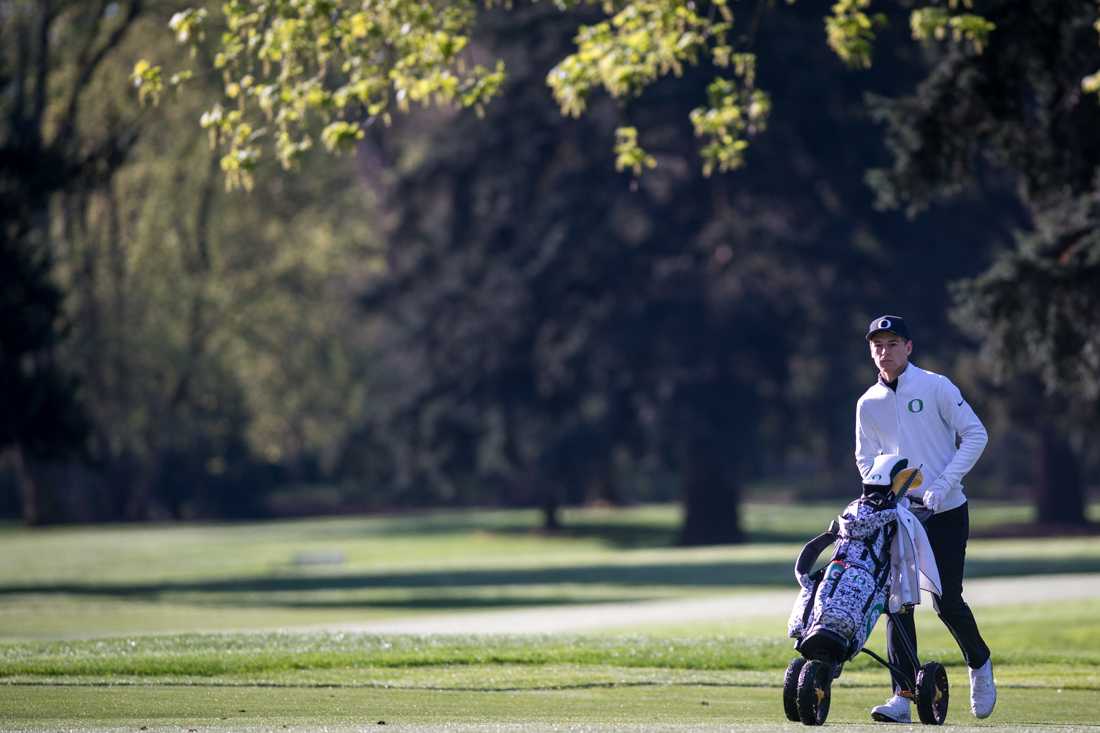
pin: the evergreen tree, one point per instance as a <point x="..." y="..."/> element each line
<point x="1017" y="112"/>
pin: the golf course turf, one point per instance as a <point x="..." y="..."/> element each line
<point x="217" y="628"/>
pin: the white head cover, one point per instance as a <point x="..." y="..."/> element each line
<point x="884" y="468"/>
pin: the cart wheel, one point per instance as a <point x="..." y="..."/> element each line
<point x="790" y="688"/>
<point x="814" y="683"/>
<point x="932" y="693"/>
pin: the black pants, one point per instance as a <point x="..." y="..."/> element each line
<point x="947" y="534"/>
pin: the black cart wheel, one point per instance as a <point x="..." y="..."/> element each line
<point x="790" y="688"/>
<point x="814" y="683"/>
<point x="932" y="693"/>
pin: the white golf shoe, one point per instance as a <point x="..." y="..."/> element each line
<point x="983" y="690"/>
<point x="894" y="710"/>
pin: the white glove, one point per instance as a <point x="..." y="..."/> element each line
<point x="932" y="499"/>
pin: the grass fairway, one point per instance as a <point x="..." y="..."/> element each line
<point x="717" y="705"/>
<point x="174" y="629"/>
<point x="87" y="582"/>
<point x="681" y="707"/>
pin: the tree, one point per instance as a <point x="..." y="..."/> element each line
<point x="211" y="336"/>
<point x="40" y="415"/>
<point x="345" y="65"/>
<point x="545" y="319"/>
<point x="546" y="322"/>
<point x="1017" y="110"/>
<point x="52" y="51"/>
<point x="334" y="69"/>
<point x="155" y="333"/>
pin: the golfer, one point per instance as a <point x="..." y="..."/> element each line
<point x="922" y="415"/>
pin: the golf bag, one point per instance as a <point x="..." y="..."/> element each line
<point x="839" y="604"/>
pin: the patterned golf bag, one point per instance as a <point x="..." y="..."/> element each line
<point x="840" y="603"/>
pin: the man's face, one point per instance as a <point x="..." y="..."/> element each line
<point x="890" y="352"/>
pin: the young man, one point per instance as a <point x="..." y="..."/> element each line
<point x="923" y="416"/>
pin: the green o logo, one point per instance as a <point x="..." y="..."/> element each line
<point x="916" y="405"/>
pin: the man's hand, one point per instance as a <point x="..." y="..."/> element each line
<point x="932" y="499"/>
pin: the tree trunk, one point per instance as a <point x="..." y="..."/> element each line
<point x="28" y="489"/>
<point x="138" y="500"/>
<point x="551" y="519"/>
<point x="711" y="497"/>
<point x="1059" y="491"/>
<point x="601" y="486"/>
<point x="37" y="509"/>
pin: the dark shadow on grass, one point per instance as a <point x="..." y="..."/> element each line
<point x="715" y="576"/>
<point x="447" y="602"/>
<point x="1029" y="530"/>
<point x="620" y="533"/>
<point x="707" y="575"/>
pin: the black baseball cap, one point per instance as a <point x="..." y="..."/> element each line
<point x="894" y="324"/>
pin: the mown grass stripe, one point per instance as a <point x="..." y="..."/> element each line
<point x="255" y="654"/>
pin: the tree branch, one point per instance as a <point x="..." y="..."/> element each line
<point x="42" y="69"/>
<point x="89" y="66"/>
<point x="22" y="62"/>
<point x="82" y="58"/>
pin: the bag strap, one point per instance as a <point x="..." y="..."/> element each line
<point x="813" y="548"/>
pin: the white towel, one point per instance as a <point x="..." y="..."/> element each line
<point x="912" y="564"/>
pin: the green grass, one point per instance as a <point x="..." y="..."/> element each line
<point x="74" y="582"/>
<point x="1063" y="634"/>
<point x="135" y="553"/>
<point x="96" y="627"/>
<point x="642" y="707"/>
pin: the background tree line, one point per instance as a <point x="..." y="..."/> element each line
<point x="480" y="309"/>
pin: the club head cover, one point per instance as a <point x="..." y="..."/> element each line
<point x="883" y="476"/>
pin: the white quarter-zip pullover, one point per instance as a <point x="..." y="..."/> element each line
<point x="920" y="420"/>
